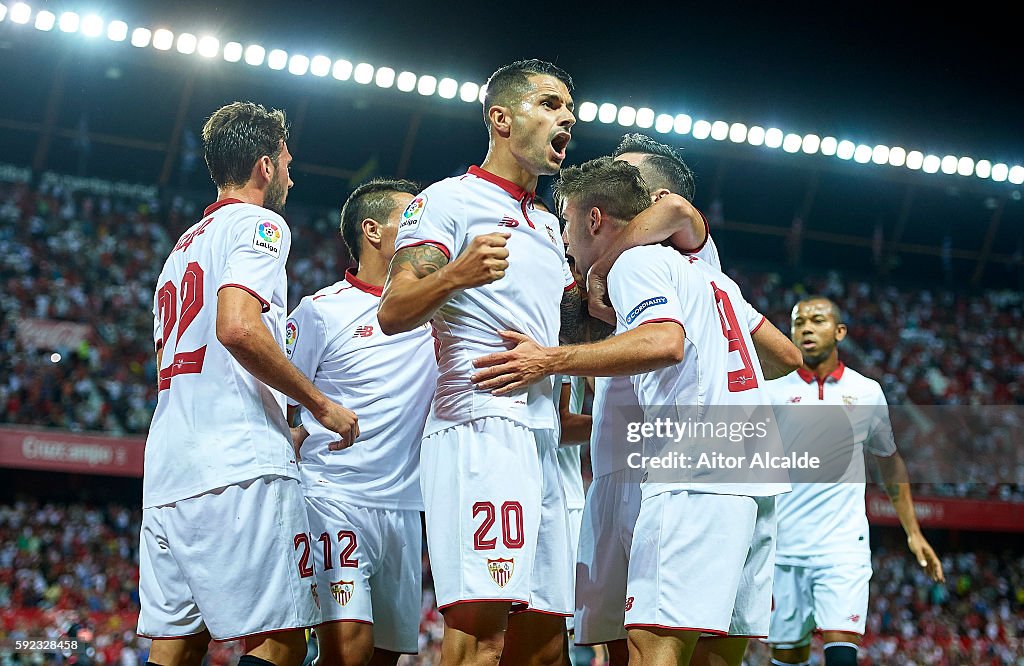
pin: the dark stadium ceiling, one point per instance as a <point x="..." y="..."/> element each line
<point x="945" y="87"/>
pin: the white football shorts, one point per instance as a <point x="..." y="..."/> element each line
<point x="828" y="598"/>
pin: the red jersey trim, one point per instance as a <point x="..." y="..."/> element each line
<point x="438" y="245"/>
<point x="809" y="376"/>
<point x="707" y="234"/>
<point x="478" y="601"/>
<point x="260" y="633"/>
<point x="515" y="191"/>
<point x="345" y="619"/>
<point x="217" y="205"/>
<point x="364" y="286"/>
<point x="520" y="611"/>
<point x="570" y="286"/>
<point x="172" y="638"/>
<point x="266" y="306"/>
<point x="663" y="321"/>
<point x="723" y="634"/>
<point x="759" y="324"/>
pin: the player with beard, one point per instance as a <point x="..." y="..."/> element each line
<point x="224" y="543"/>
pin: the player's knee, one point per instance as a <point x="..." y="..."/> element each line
<point x="840" y="654"/>
<point x="286" y="648"/>
<point x="345" y="644"/>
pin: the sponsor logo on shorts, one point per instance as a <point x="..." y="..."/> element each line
<point x="854" y="618"/>
<point x="342" y="591"/>
<point x="267" y="238"/>
<point x="412" y="212"/>
<point x="629" y="604"/>
<point x="649" y="303"/>
<point x="501" y="570"/>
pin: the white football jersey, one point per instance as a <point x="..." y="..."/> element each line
<point x="215" y="424"/>
<point x="334" y="338"/>
<point x="568" y="455"/>
<point x="719" y="380"/>
<point x="615" y="407"/>
<point x="449" y="215"/>
<point x="827" y="521"/>
<point x="708" y="251"/>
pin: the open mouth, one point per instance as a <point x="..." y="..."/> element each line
<point x="559" y="143"/>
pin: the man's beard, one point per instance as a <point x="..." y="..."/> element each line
<point x="275" y="196"/>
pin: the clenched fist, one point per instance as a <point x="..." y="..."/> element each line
<point x="483" y="262"/>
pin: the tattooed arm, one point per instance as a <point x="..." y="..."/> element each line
<point x="420" y="280"/>
<point x="897" y="485"/>
<point x="572" y="329"/>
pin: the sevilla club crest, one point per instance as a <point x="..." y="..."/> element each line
<point x="501" y="570"/>
<point x="342" y="591"/>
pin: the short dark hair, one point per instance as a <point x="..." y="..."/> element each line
<point x="664" y="166"/>
<point x="371" y="200"/>
<point x="239" y="134"/>
<point x="837" y="313"/>
<point x="616" y="187"/>
<point x="510" y="83"/>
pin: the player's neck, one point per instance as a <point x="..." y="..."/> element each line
<point x="504" y="165"/>
<point x="246" y="194"/>
<point x="372" y="270"/>
<point x="826" y="367"/>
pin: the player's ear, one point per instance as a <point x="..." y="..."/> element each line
<point x="264" y="169"/>
<point x="595" y="218"/>
<point x="840" y="332"/>
<point x="371" y="229"/>
<point x="501" y="120"/>
<point x="659" y="193"/>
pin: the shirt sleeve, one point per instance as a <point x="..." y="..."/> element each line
<point x="305" y="339"/>
<point x="434" y="217"/>
<point x="881" y="441"/>
<point x="256" y="261"/>
<point x="158" y="323"/>
<point x="644" y="288"/>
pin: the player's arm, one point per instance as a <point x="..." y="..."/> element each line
<point x="298" y="431"/>
<point x="572" y="327"/>
<point x="575" y="427"/>
<point x="777" y="353"/>
<point x="241" y="330"/>
<point x="670" y="218"/>
<point x="421" y="279"/>
<point x="897" y="486"/>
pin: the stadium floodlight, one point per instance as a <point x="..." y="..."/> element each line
<point x="1000" y="172"/>
<point x="791" y="143"/>
<point x="915" y="160"/>
<point x="448" y="88"/>
<point x="298" y="64"/>
<point x="385" y="77"/>
<point x="406" y="82"/>
<point x="701" y="130"/>
<point x="208" y="46"/>
<point x="469" y="92"/>
<point x="163" y="39"/>
<point x="810" y="144"/>
<point x="626" y="116"/>
<point x="187" y="43"/>
<point x="141" y="37"/>
<point x="1016" y="175"/>
<point x="20" y="13"/>
<point x="663" y="123"/>
<point x="983" y="169"/>
<point x="845" y="149"/>
<point x="363" y="73"/>
<point x="862" y="155"/>
<point x="3" y="11"/>
<point x="341" y="70"/>
<point x="320" y="65"/>
<point x="233" y="52"/>
<point x="426" y="85"/>
<point x="606" y="112"/>
<point x="897" y="156"/>
<point x="644" y="117"/>
<point x="719" y="130"/>
<point x="254" y="55"/>
<point x="773" y="137"/>
<point x="948" y="164"/>
<point x="738" y="133"/>
<point x="117" y="31"/>
<point x="965" y="166"/>
<point x="483" y="93"/>
<point x="92" y="26"/>
<point x="755" y="135"/>
<point x="682" y="124"/>
<point x="69" y="22"/>
<point x="587" y="112"/>
<point x="45" y="20"/>
<point x="880" y="154"/>
<point x="931" y="164"/>
<point x="828" y="146"/>
<point x="277" y="59"/>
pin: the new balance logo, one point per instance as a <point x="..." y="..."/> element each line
<point x="508" y="221"/>
<point x="629" y="604"/>
<point x="854" y="618"/>
<point x="795" y="399"/>
<point x="363" y="332"/>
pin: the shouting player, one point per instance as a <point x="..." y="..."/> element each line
<point x="224" y="526"/>
<point x="823" y="559"/>
<point x="364" y="503"/>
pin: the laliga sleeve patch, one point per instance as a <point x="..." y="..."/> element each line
<point x="267" y="238"/>
<point x="412" y="213"/>
<point x="649" y="303"/>
<point x="291" y="335"/>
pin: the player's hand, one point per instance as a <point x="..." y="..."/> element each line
<point x="342" y="421"/>
<point x="505" y="372"/>
<point x="299" y="435"/>
<point x="483" y="262"/>
<point x="598" y="302"/>
<point x="926" y="557"/>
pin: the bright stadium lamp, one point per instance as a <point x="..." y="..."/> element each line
<point x="810" y="144"/>
<point x="448" y="88"/>
<point x="141" y="37"/>
<point x="719" y="130"/>
<point x="469" y="92"/>
<point x="626" y="116"/>
<point x="341" y="70"/>
<point x="117" y="31"/>
<point x="915" y="160"/>
<point x="644" y="117"/>
<point x="791" y="143"/>
<point x="682" y="124"/>
<point x="427" y="85"/>
<point x="773" y="137"/>
<point x="845" y="149"/>
<point x="606" y="112"/>
<point x="363" y="73"/>
<point x="320" y="65"/>
<point x="1000" y="172"/>
<point x="233" y="52"/>
<point x="701" y="130"/>
<point x="983" y="169"/>
<point x="92" y="26"/>
<point x="663" y="123"/>
<point x="931" y="164"/>
<point x="254" y="55"/>
<point x="897" y="156"/>
<point x="298" y="64"/>
<point x="755" y="136"/>
<point x="3" y="11"/>
<point x="208" y="46"/>
<point x="163" y="39"/>
<point x="385" y="77"/>
<point x="20" y="13"/>
<point x="965" y="166"/>
<point x="45" y="20"/>
<point x="738" y="133"/>
<point x="406" y="82"/>
<point x="587" y="112"/>
<point x="1016" y="175"/>
<point x="69" y="22"/>
<point x="187" y="43"/>
<point x="948" y="164"/>
<point x="828" y="146"/>
<point x="277" y="59"/>
<point x="880" y="154"/>
<point x="862" y="155"/>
